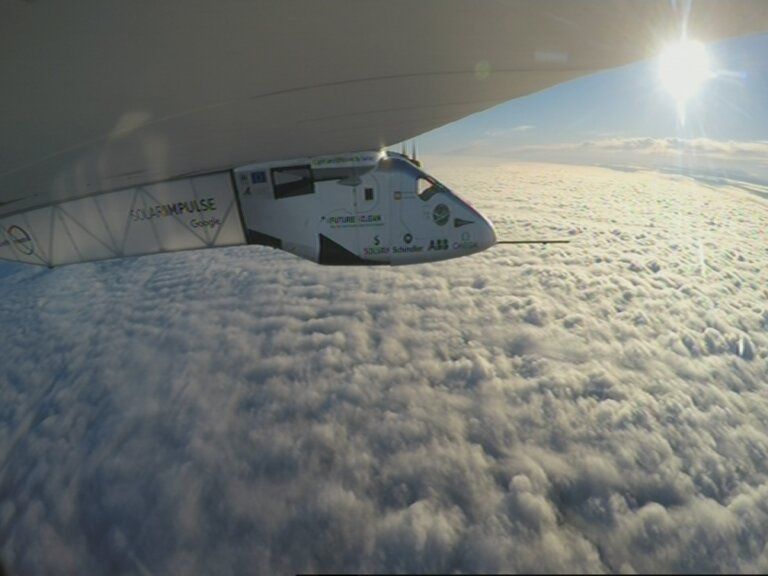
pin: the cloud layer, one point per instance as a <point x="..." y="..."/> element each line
<point x="599" y="406"/>
<point x="740" y="160"/>
<point x="669" y="146"/>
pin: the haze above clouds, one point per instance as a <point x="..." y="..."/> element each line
<point x="599" y="406"/>
<point x="743" y="161"/>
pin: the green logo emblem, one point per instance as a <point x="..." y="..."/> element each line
<point x="441" y="214"/>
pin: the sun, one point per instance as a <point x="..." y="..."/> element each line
<point x="683" y="68"/>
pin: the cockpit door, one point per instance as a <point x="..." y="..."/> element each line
<point x="409" y="215"/>
<point x="372" y="214"/>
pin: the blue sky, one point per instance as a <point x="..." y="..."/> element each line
<point x="627" y="102"/>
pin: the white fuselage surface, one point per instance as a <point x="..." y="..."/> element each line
<point x="366" y="209"/>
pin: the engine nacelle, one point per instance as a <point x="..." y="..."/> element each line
<point x="366" y="208"/>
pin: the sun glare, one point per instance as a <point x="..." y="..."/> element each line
<point x="683" y="68"/>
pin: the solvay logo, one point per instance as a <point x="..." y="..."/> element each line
<point x="20" y="240"/>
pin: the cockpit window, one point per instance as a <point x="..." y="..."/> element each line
<point x="292" y="181"/>
<point x="427" y="187"/>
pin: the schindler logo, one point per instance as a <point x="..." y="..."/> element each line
<point x="20" y="240"/>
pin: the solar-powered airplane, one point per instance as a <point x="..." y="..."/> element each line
<point x="131" y="128"/>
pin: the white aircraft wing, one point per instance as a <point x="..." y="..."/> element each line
<point x="107" y="95"/>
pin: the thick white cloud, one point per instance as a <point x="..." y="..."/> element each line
<point x="599" y="406"/>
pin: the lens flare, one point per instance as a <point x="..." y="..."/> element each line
<point x="683" y="68"/>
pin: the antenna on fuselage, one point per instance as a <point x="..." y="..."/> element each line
<point x="413" y="153"/>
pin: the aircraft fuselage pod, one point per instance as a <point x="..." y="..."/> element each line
<point x="364" y="208"/>
<point x="368" y="208"/>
